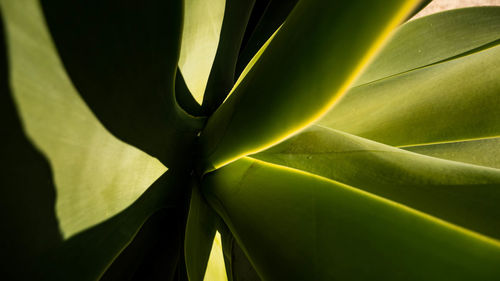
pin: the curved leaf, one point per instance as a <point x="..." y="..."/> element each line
<point x="433" y="39"/>
<point x="463" y="194"/>
<point x="454" y="99"/>
<point x="96" y="175"/>
<point x="200" y="38"/>
<point x="122" y="58"/>
<point x="221" y="79"/>
<point x="296" y="226"/>
<point x="485" y="152"/>
<point x="317" y="35"/>
<point x="200" y="233"/>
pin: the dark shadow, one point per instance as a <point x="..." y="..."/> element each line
<point x="27" y="192"/>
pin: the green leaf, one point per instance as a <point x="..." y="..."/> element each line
<point x="96" y="175"/>
<point x="433" y="39"/>
<point x="200" y="38"/>
<point x="318" y="35"/>
<point x="297" y="226"/>
<point x="221" y="79"/>
<point x="200" y="233"/>
<point x="463" y="194"/>
<point x="447" y="97"/>
<point x="122" y="58"/>
<point x="485" y="152"/>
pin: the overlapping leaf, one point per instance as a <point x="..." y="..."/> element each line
<point x="281" y="93"/>
<point x="433" y="83"/>
<point x="329" y="231"/>
<point x="464" y="194"/>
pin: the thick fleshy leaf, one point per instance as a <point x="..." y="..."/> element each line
<point x="221" y="79"/>
<point x="297" y="226"/>
<point x="271" y="16"/>
<point x="88" y="254"/>
<point x="96" y="175"/>
<point x="454" y="99"/>
<point x="200" y="233"/>
<point x="319" y="35"/>
<point x="463" y="194"/>
<point x="485" y="152"/>
<point x="200" y="38"/>
<point x="433" y="39"/>
<point x="122" y="58"/>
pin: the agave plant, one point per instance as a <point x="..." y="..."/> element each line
<point x="271" y="140"/>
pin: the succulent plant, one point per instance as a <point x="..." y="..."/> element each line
<point x="249" y="140"/>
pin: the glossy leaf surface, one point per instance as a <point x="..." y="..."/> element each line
<point x="463" y="194"/>
<point x="452" y="100"/>
<point x="280" y="83"/>
<point x="283" y="217"/>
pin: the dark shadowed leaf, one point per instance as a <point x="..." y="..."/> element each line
<point x="221" y="79"/>
<point x="27" y="193"/>
<point x="96" y="175"/>
<point x="122" y="58"/>
<point x="200" y="232"/>
<point x="269" y="19"/>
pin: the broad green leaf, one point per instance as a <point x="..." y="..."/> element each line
<point x="95" y="174"/>
<point x="281" y="86"/>
<point x="463" y="194"/>
<point x="200" y="38"/>
<point x="222" y="73"/>
<point x="216" y="269"/>
<point x="485" y="152"/>
<point x="433" y="39"/>
<point x="88" y="254"/>
<point x="122" y="58"/>
<point x="200" y="232"/>
<point x="297" y="226"/>
<point x="268" y="21"/>
<point x="453" y="100"/>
